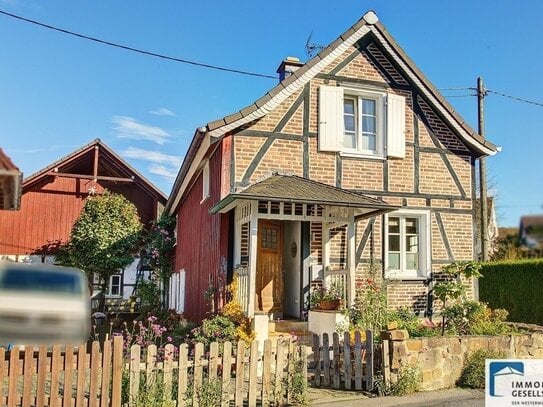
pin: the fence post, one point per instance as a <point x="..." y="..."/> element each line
<point x="240" y="372"/>
<point x="135" y="358"/>
<point x="117" y="374"/>
<point x="326" y="359"/>
<point x="317" y="360"/>
<point x="369" y="360"/>
<point x="336" y="363"/>
<point x="386" y="362"/>
<point x="347" y="360"/>
<point x="182" y="374"/>
<point x="226" y="369"/>
<point x="357" y="361"/>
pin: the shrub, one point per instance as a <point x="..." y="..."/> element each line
<point x="369" y="310"/>
<point x="415" y="326"/>
<point x="409" y="380"/>
<point x="475" y="318"/>
<point x="215" y="329"/>
<point x="516" y="287"/>
<point x="473" y="372"/>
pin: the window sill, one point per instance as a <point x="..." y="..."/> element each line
<point x="406" y="278"/>
<point x="361" y="155"/>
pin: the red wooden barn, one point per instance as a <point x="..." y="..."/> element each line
<point x="10" y="183"/>
<point x="52" y="199"/>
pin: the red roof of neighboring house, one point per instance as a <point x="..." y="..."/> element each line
<point x="6" y="163"/>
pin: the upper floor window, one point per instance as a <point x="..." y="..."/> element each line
<point x="407" y="244"/>
<point x="361" y="122"/>
<point x="115" y="285"/>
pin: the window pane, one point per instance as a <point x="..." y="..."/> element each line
<point x="393" y="225"/>
<point x="349" y="140"/>
<point x="368" y="142"/>
<point x="394" y="261"/>
<point x="412" y="244"/>
<point x="349" y="122"/>
<point x="394" y="243"/>
<point x="368" y="124"/>
<point x="411" y="225"/>
<point x="368" y="106"/>
<point x="412" y="260"/>
<point x="348" y="106"/>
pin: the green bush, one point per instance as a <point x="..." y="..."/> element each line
<point x="473" y="372"/>
<point x="410" y="322"/>
<point x="475" y="318"/>
<point x="515" y="286"/>
<point x="409" y="380"/>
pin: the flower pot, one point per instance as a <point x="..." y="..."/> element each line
<point x="329" y="305"/>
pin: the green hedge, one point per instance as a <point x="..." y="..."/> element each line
<point x="516" y="286"/>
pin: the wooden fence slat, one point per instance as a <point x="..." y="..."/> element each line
<point x="135" y="360"/>
<point x="347" y="366"/>
<point x="94" y="370"/>
<point x="336" y="363"/>
<point x="279" y="367"/>
<point x="326" y="359"/>
<point x="68" y="376"/>
<point x="56" y="363"/>
<point x="2" y="367"/>
<point x="266" y="372"/>
<point x="150" y="374"/>
<point x="240" y="373"/>
<point x="13" y="376"/>
<point x="303" y="355"/>
<point x="168" y="371"/>
<point x="290" y="368"/>
<point x="253" y="369"/>
<point x="357" y="361"/>
<point x="42" y="376"/>
<point x="198" y="373"/>
<point x="369" y="360"/>
<point x="182" y="374"/>
<point x="81" y="373"/>
<point x="28" y="375"/>
<point x="317" y="360"/>
<point x="106" y="374"/>
<point x="117" y="371"/>
<point x="226" y="372"/>
<point x="213" y="361"/>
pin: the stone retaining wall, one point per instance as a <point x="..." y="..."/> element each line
<point x="441" y="359"/>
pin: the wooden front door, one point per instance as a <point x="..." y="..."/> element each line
<point x="269" y="267"/>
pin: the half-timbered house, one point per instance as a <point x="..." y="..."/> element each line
<point x="353" y="167"/>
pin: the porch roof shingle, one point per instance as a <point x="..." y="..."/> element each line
<point x="295" y="189"/>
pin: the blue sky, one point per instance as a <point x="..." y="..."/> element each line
<point x="58" y="92"/>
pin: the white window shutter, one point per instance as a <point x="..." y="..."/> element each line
<point x="330" y="118"/>
<point x="395" y="126"/>
<point x="181" y="290"/>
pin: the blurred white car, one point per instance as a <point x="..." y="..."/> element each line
<point x="41" y="304"/>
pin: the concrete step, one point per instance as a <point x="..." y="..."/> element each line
<point x="287" y="326"/>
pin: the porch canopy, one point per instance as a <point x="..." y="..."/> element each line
<point x="293" y="198"/>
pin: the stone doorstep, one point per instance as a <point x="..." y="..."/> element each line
<point x="287" y="326"/>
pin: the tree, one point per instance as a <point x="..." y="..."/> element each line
<point x="104" y="238"/>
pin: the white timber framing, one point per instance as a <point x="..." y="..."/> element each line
<point x="331" y="217"/>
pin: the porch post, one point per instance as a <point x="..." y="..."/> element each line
<point x="237" y="237"/>
<point x="351" y="260"/>
<point x="253" y="242"/>
<point x="325" y="244"/>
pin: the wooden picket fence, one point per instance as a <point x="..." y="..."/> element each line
<point x="237" y="374"/>
<point x="348" y="365"/>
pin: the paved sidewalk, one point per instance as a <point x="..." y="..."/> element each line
<point x="448" y="398"/>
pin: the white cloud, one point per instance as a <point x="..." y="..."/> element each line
<point x="153" y="156"/>
<point x="162" y="111"/>
<point x="128" y="127"/>
<point x="163" y="171"/>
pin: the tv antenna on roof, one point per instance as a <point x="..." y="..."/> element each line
<point x="311" y="49"/>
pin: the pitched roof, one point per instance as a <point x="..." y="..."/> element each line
<point x="527" y="221"/>
<point x="295" y="189"/>
<point x="368" y="23"/>
<point x="6" y="163"/>
<point x="75" y="155"/>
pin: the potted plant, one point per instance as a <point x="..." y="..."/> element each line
<point x="325" y="298"/>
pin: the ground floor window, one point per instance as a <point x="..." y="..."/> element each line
<point x="114" y="288"/>
<point x="407" y="244"/>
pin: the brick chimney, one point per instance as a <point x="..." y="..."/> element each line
<point x="288" y="66"/>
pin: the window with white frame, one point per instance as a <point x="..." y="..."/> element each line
<point x="205" y="181"/>
<point x="115" y="282"/>
<point x="407" y="244"/>
<point x="361" y="122"/>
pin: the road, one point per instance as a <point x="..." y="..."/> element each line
<point x="441" y="398"/>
